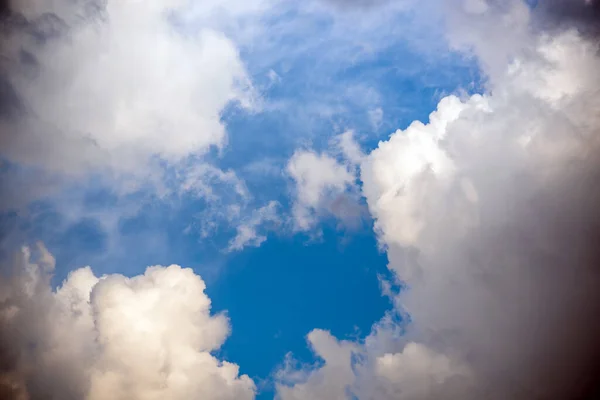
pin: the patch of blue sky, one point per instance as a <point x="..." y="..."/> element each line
<point x="277" y="293"/>
<point x="155" y="234"/>
<point x="320" y="84"/>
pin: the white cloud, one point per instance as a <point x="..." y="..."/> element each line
<point x="327" y="382"/>
<point x="417" y="373"/>
<point x="146" y="337"/>
<point x="203" y="179"/>
<point x="248" y="230"/>
<point x="474" y="24"/>
<point x="318" y="178"/>
<point x="402" y="165"/>
<point x="350" y="149"/>
<point x="489" y="216"/>
<point x="111" y="87"/>
<point x="325" y="184"/>
<point x="350" y="369"/>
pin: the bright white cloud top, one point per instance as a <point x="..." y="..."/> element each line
<point x="487" y="211"/>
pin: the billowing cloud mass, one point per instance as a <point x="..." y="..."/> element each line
<point x="100" y="85"/>
<point x="146" y="337"/>
<point x="489" y="216"/>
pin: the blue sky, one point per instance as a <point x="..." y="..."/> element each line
<point x="291" y="288"/>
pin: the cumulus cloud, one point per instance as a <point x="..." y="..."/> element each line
<point x="319" y="180"/>
<point x="353" y="371"/>
<point x="489" y="216"/>
<point x="111" y="85"/>
<point x="328" y="382"/>
<point x="146" y="337"/>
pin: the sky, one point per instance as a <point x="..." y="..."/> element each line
<point x="329" y="199"/>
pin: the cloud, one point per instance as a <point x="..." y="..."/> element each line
<point x="204" y="179"/>
<point x="473" y="24"/>
<point x="414" y="373"/>
<point x="328" y="382"/>
<point x="491" y="228"/>
<point x="560" y="14"/>
<point x="488" y="214"/>
<point x="103" y="85"/>
<point x="513" y="26"/>
<point x="418" y="373"/>
<point x="146" y="337"/>
<point x="349" y="148"/>
<point x="248" y="230"/>
<point x="319" y="179"/>
<point x="227" y="204"/>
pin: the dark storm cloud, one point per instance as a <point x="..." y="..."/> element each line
<point x="560" y="14"/>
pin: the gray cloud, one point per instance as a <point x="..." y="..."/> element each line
<point x="560" y="14"/>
